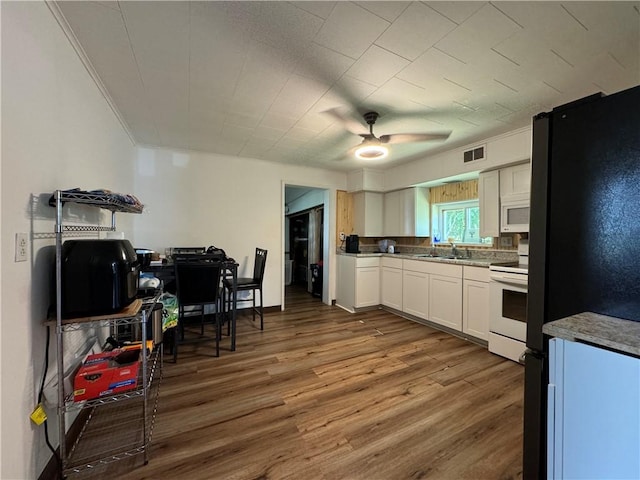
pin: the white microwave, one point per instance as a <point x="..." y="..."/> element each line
<point x="514" y="213"/>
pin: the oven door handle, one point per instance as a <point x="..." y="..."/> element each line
<point x="519" y="282"/>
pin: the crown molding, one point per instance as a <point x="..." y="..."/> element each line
<point x="82" y="55"/>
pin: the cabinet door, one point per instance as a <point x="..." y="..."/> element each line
<point x="391" y="287"/>
<point x="415" y="293"/>
<point x="515" y="179"/>
<point x="445" y="301"/>
<point x="392" y="214"/>
<point x="367" y="213"/>
<point x="489" y="202"/>
<point x="345" y="282"/>
<point x="367" y="286"/>
<point x="595" y="430"/>
<point x="415" y="212"/>
<point x="475" y="309"/>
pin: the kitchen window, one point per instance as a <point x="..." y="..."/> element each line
<point x="457" y="222"/>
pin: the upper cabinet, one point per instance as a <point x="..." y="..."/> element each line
<point x="406" y="213"/>
<point x="489" y="203"/>
<point x="515" y="180"/>
<point x="368" y="213"/>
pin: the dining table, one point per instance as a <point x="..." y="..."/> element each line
<point x="164" y="270"/>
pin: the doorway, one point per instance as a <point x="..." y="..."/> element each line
<point x="304" y="243"/>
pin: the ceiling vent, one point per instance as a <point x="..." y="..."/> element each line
<point x="474" y="154"/>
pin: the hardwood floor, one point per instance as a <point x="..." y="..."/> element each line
<point x="324" y="394"/>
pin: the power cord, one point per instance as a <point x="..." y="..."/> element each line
<point x="40" y="394"/>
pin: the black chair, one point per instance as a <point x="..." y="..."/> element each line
<point x="251" y="284"/>
<point x="197" y="285"/>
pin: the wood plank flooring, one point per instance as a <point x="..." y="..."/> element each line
<point x="324" y="394"/>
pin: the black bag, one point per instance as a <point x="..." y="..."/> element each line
<point x="218" y="253"/>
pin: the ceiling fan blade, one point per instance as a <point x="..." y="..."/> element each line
<point x="413" y="137"/>
<point x="349" y="123"/>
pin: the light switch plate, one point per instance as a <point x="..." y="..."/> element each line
<point x="22" y="244"/>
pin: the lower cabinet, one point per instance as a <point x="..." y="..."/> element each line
<point x="367" y="286"/>
<point x="475" y="302"/>
<point x="593" y="416"/>
<point x="445" y="307"/>
<point x="415" y="288"/>
<point x="391" y="283"/>
<point x="358" y="282"/>
<point x="454" y="296"/>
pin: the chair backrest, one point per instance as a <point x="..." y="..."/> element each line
<point x="259" y="265"/>
<point x="197" y="280"/>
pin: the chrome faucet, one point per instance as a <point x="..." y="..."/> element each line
<point x="454" y="250"/>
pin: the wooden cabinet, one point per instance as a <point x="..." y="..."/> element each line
<point x="415" y="289"/>
<point x="475" y="302"/>
<point x="445" y="295"/>
<point x="358" y="282"/>
<point x="391" y="282"/>
<point x="406" y="213"/>
<point x="515" y="180"/>
<point x="368" y="213"/>
<point x="489" y="203"/>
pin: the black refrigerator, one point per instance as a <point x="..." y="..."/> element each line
<point x="584" y="241"/>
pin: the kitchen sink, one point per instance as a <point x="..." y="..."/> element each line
<point x="426" y="255"/>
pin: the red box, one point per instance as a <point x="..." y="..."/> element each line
<point x="107" y="373"/>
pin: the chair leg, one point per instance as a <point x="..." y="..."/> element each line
<point x="218" y="333"/>
<point x="253" y="301"/>
<point x="261" y="311"/>
<point x="175" y="343"/>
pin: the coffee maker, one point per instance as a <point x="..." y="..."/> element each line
<point x="353" y="244"/>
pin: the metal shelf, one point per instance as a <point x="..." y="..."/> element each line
<point x="154" y="372"/>
<point x="107" y="201"/>
<point x="112" y="433"/>
<point x="119" y="426"/>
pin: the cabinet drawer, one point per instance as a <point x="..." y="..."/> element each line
<point x="391" y="262"/>
<point x="416" y="266"/>
<point x="481" y="274"/>
<point x="368" y="262"/>
<point x="444" y="269"/>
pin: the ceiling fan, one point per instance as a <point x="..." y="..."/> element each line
<point x="373" y="147"/>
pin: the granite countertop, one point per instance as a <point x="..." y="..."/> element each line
<point x="472" y="262"/>
<point x="610" y="332"/>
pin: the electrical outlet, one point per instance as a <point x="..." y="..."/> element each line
<point x="22" y="244"/>
<point x="506" y="241"/>
<point x="342" y="236"/>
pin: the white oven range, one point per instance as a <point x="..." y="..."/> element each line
<point x="508" y="310"/>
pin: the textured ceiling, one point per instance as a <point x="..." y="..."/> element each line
<point x="255" y="79"/>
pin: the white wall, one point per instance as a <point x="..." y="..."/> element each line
<point x="500" y="150"/>
<point x="311" y="199"/>
<point x="197" y="199"/>
<point x="57" y="132"/>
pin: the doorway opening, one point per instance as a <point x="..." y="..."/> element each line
<point x="304" y="243"/>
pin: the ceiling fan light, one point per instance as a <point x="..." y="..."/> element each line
<point x="371" y="152"/>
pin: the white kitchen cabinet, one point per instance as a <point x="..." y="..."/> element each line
<point x="392" y="218"/>
<point x="391" y="282"/>
<point x="367" y="285"/>
<point x="515" y="179"/>
<point x="445" y="295"/>
<point x="358" y="282"/>
<point x="368" y="213"/>
<point x="489" y="202"/>
<point x="593" y="415"/>
<point x="415" y="289"/>
<point x="475" y="302"/>
<point x="406" y="213"/>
